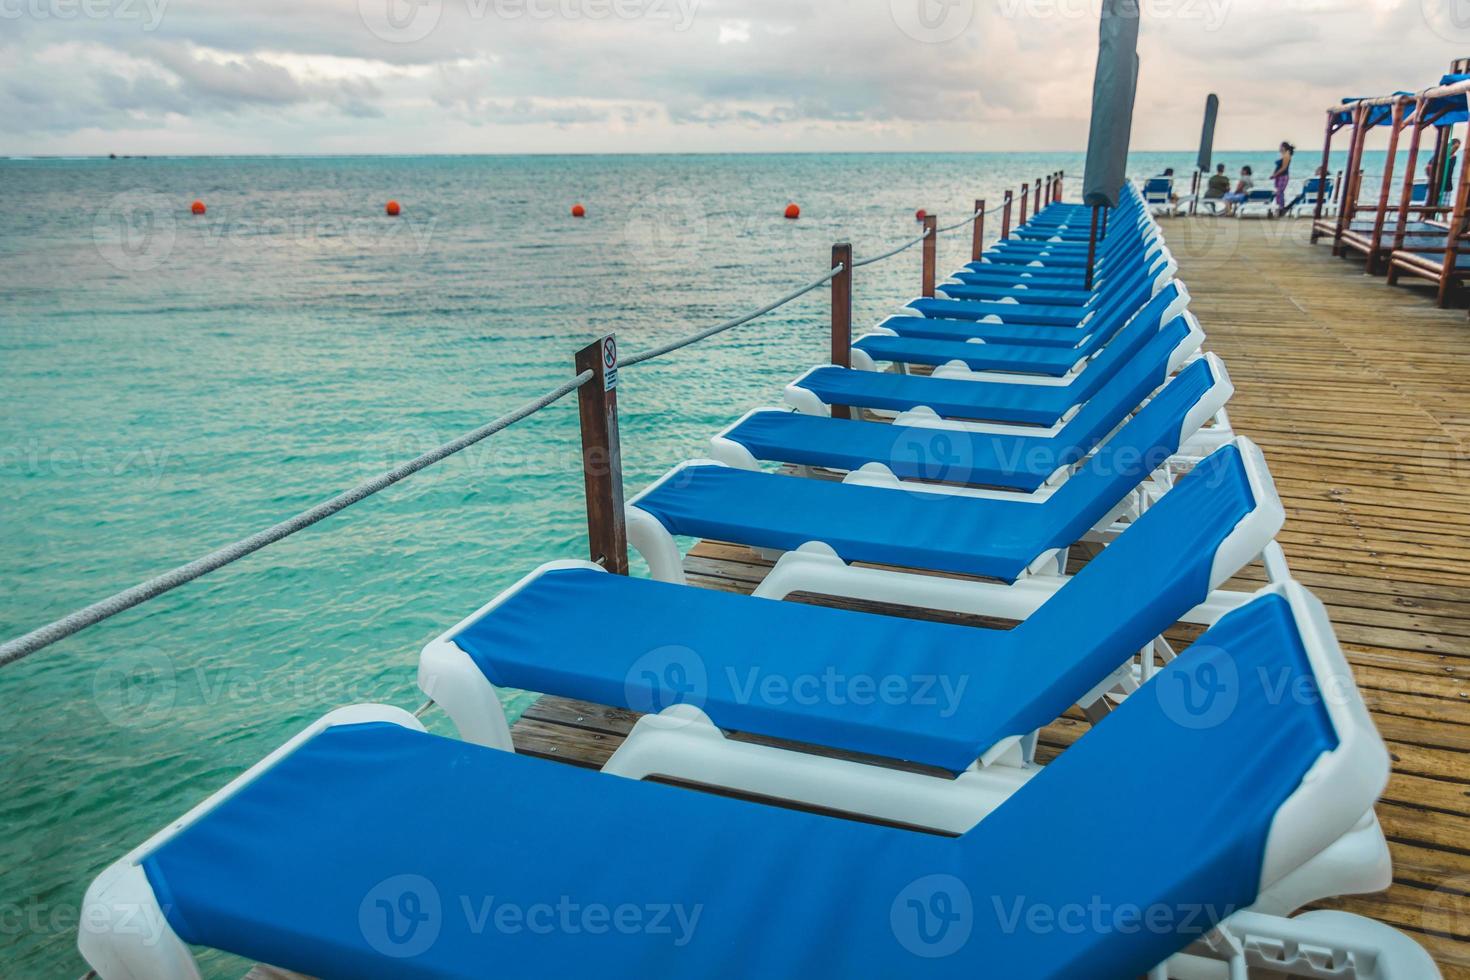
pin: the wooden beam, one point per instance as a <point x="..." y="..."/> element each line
<point x="1322" y="181"/>
<point x="602" y="457"/>
<point x="842" y="316"/>
<point x="1375" y="241"/>
<point x="1005" y="218"/>
<point x="1406" y="197"/>
<point x="977" y="238"/>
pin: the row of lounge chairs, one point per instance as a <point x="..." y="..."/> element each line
<point x="1160" y="195"/>
<point x="1218" y="791"/>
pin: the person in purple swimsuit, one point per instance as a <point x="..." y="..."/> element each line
<point x="1281" y="176"/>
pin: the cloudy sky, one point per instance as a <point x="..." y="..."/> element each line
<point x="498" y="76"/>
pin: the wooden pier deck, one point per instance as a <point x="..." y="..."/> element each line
<point x="1360" y="395"/>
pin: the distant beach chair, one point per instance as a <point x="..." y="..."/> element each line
<point x="1257" y="198"/>
<point x="1307" y="198"/>
<point x="1158" y="195"/>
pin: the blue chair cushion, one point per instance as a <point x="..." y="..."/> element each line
<point x="372" y="851"/>
<point x="1018" y="462"/>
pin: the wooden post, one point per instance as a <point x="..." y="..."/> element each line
<point x="1005" y="218"/>
<point x="931" y="227"/>
<point x="977" y="238"/>
<point x="1061" y="175"/>
<point x="1322" y="175"/>
<point x="1037" y="208"/>
<point x="602" y="458"/>
<point x="1375" y="241"/>
<point x="1457" y="226"/>
<point x="842" y="316"/>
<point x="1048" y="188"/>
<point x="1401" y="226"/>
<point x="1025" y="197"/>
<point x="1355" y="155"/>
<point x="1091" y="247"/>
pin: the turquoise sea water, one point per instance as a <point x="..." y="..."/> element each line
<point x="169" y="383"/>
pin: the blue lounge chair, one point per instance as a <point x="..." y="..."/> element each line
<point x="1040" y="282"/>
<point x="914" y="449"/>
<point x="915" y="526"/>
<point x="1160" y="272"/>
<point x="917" y="340"/>
<point x="1158" y="195"/>
<point x="1012" y="256"/>
<point x="367" y="848"/>
<point x="1015" y="681"/>
<point x="1263" y="198"/>
<point x="1094" y="331"/>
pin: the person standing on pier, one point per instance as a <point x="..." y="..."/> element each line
<point x="1281" y="176"/>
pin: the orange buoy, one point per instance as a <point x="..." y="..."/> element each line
<point x="793" y="212"/>
<point x="197" y="207"/>
<point x="392" y="208"/>
<point x="578" y="211"/>
<point x="920" y="214"/>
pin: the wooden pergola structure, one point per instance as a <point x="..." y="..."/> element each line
<point x="1402" y="236"/>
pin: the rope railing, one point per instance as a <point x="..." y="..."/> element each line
<point x="859" y="263"/>
<point x="23" y="646"/>
<point x="961" y="224"/>
<point x="708" y="332"/>
<point x="37" y="639"/>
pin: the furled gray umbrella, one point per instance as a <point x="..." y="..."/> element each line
<point x="1113" y="87"/>
<point x="1207" y="134"/>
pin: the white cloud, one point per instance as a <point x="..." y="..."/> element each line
<point x="587" y="75"/>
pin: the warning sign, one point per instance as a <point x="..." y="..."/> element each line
<point x="609" y="363"/>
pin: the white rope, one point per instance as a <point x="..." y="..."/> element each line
<point x="695" y="338"/>
<point x="960" y="224"/>
<point x="24" y="646"/>
<point x="891" y="252"/>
